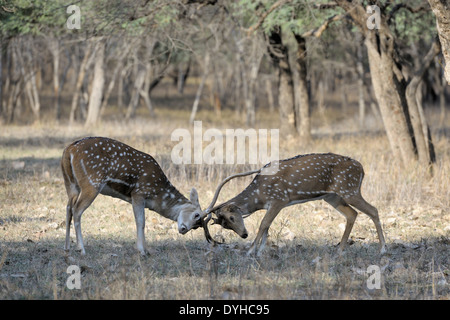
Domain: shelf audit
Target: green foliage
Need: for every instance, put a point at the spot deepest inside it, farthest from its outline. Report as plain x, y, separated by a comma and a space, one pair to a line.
296, 16
100, 17
21, 17
410, 27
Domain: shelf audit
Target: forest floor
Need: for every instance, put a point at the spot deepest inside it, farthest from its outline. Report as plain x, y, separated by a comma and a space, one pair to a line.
300, 260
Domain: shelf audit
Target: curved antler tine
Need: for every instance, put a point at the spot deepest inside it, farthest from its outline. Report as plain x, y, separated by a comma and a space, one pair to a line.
216, 195
206, 230
207, 214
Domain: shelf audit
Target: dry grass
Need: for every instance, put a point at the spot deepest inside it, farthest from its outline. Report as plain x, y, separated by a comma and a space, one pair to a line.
300, 261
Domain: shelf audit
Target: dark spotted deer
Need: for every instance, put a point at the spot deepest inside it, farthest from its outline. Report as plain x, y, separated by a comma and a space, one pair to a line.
96, 165
334, 178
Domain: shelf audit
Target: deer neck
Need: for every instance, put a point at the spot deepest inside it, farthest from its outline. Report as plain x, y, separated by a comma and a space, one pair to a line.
167, 203
248, 200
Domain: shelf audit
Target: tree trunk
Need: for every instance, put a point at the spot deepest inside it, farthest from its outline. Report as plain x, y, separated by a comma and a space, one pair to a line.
145, 92
182, 76
269, 92
138, 83
441, 9
30, 81
414, 99
250, 71
54, 48
1, 79
79, 83
389, 100
387, 82
279, 54
200, 89
320, 95
360, 74
303, 116
98, 84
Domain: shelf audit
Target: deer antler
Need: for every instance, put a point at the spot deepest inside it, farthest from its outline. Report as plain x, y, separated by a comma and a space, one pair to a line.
207, 214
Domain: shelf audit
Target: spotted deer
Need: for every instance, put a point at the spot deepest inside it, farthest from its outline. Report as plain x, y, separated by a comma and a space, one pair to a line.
96, 165
334, 178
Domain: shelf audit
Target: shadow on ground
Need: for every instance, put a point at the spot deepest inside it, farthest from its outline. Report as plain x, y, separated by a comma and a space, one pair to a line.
193, 269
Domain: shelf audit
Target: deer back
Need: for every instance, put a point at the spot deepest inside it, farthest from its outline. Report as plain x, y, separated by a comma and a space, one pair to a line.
302, 178
111, 166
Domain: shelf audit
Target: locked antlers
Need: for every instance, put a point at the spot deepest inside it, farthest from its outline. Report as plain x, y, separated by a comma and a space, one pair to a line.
207, 213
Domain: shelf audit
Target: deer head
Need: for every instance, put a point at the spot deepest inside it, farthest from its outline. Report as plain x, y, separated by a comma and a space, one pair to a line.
229, 216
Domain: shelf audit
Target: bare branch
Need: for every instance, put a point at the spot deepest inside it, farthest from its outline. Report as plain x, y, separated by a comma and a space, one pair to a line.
265, 14
396, 8
317, 32
8, 10
329, 5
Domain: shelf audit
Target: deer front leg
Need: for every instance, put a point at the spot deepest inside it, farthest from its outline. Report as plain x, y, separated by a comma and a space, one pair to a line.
261, 237
139, 215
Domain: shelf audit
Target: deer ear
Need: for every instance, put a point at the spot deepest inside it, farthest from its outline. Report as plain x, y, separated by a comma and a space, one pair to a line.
194, 197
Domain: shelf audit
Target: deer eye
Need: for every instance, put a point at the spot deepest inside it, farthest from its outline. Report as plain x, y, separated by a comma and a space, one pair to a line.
231, 218
196, 216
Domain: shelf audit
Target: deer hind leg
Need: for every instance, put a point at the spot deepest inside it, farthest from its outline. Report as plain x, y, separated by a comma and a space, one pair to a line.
73, 192
339, 204
83, 201
139, 215
359, 203
70, 204
261, 237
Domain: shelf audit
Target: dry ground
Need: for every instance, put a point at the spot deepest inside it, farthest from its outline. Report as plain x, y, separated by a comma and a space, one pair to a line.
299, 262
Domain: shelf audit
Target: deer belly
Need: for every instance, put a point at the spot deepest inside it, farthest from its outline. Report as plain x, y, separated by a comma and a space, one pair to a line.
303, 200
117, 190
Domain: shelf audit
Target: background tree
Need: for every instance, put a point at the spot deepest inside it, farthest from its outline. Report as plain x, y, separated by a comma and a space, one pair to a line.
441, 8
243, 55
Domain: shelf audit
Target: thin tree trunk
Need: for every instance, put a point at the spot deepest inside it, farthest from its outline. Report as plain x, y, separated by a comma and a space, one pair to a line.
1, 78
54, 48
98, 84
250, 70
286, 103
182, 76
30, 83
144, 91
269, 92
138, 82
360, 73
81, 74
303, 119
117, 70
414, 99
200, 88
441, 9
321, 102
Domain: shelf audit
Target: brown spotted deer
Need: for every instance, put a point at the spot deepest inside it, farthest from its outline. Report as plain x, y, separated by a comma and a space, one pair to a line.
334, 178
96, 165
